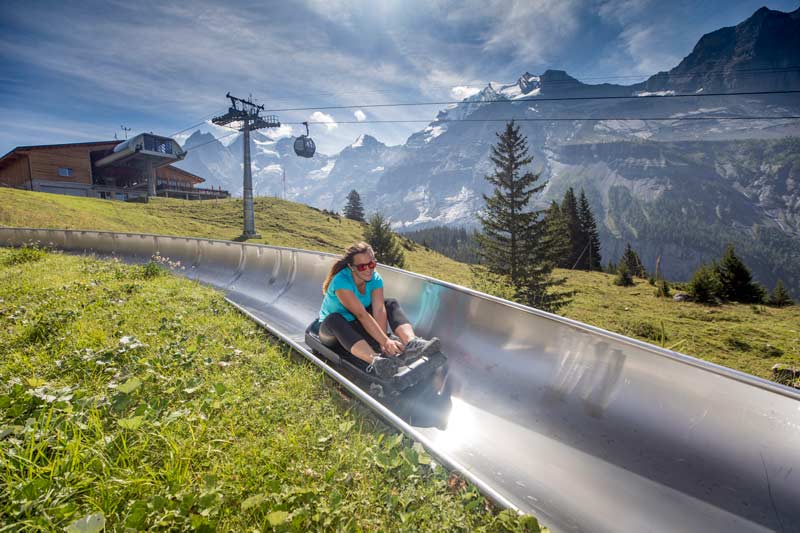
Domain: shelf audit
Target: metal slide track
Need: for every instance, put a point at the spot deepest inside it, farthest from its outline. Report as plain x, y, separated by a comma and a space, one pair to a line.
586, 429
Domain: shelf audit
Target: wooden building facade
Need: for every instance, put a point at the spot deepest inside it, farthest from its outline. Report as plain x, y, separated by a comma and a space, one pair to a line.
71, 169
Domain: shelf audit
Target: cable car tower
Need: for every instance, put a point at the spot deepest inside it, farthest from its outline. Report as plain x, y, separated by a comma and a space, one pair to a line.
243, 115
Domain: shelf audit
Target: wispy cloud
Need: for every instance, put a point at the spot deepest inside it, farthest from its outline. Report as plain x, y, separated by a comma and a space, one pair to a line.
622, 11
644, 45
360, 116
163, 66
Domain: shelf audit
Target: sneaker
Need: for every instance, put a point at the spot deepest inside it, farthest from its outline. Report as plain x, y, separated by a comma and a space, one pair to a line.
419, 347
384, 367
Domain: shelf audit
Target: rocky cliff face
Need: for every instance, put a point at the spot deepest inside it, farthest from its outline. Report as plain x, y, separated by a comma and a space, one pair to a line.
756, 55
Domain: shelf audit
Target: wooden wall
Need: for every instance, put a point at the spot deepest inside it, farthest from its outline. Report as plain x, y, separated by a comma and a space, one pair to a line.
46, 162
16, 173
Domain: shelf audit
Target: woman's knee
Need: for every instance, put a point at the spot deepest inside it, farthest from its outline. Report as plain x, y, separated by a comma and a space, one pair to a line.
332, 324
332, 321
391, 303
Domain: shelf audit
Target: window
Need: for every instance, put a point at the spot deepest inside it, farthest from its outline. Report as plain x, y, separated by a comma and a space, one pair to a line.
65, 172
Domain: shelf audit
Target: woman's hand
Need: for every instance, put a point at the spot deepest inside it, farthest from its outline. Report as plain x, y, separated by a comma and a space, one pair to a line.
392, 347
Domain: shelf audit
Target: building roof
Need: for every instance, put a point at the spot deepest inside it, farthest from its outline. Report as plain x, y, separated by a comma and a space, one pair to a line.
186, 173
67, 145
22, 150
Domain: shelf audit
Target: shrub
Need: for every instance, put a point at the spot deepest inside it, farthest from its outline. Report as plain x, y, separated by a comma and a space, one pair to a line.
705, 286
648, 331
737, 344
769, 351
150, 270
27, 253
623, 278
662, 289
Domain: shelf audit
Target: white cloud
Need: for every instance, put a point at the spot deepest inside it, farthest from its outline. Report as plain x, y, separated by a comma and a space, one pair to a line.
462, 91
284, 130
321, 118
360, 116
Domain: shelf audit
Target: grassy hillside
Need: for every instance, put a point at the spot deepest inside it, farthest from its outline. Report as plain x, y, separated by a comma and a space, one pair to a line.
747, 338
145, 401
280, 223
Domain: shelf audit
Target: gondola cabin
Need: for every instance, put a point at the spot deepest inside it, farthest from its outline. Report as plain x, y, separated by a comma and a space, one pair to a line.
304, 145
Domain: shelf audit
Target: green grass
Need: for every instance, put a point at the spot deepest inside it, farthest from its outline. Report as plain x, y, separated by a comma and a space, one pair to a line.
737, 336
144, 400
744, 337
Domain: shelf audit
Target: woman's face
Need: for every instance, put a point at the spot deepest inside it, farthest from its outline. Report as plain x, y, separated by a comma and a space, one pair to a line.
361, 266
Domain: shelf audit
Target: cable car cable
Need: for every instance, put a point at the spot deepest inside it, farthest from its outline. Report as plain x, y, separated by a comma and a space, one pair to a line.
552, 119
534, 99
754, 71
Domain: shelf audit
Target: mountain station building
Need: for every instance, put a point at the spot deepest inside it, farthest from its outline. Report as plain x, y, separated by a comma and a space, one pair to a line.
116, 170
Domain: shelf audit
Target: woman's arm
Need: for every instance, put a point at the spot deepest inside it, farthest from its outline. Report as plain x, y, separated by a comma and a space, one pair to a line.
379, 308
354, 305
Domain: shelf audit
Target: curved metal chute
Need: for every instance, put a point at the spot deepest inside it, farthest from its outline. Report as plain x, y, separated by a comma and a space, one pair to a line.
586, 429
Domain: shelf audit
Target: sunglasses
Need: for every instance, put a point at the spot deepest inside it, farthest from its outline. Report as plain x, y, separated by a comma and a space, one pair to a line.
371, 265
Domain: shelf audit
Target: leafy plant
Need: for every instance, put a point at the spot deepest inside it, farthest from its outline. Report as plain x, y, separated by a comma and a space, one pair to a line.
27, 253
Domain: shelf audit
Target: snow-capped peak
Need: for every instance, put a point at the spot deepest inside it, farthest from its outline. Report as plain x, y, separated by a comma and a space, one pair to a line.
527, 85
365, 140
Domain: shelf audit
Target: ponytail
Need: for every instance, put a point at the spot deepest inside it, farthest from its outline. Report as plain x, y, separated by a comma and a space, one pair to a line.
345, 261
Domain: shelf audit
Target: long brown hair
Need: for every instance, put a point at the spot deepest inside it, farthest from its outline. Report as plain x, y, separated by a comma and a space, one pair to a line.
346, 260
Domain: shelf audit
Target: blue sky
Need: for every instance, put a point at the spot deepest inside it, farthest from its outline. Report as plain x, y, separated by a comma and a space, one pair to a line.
75, 71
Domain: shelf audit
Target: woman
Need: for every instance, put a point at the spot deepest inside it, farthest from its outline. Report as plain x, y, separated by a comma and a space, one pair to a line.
354, 313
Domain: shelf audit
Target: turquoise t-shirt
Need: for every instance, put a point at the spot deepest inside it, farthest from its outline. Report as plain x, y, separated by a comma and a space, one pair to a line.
344, 280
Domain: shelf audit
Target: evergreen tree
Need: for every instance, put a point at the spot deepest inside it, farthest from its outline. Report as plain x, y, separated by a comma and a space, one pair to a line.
623, 278
572, 225
379, 235
514, 239
631, 259
590, 260
559, 247
780, 296
354, 210
736, 281
705, 286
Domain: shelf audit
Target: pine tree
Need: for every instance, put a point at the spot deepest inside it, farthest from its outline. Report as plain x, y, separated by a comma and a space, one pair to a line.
572, 225
591, 259
623, 278
354, 210
631, 259
514, 240
379, 235
556, 223
736, 281
705, 286
780, 296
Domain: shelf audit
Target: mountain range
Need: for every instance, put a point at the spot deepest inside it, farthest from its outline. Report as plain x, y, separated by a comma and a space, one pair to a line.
675, 188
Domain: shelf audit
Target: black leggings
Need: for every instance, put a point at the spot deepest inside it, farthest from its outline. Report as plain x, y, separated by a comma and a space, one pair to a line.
336, 328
